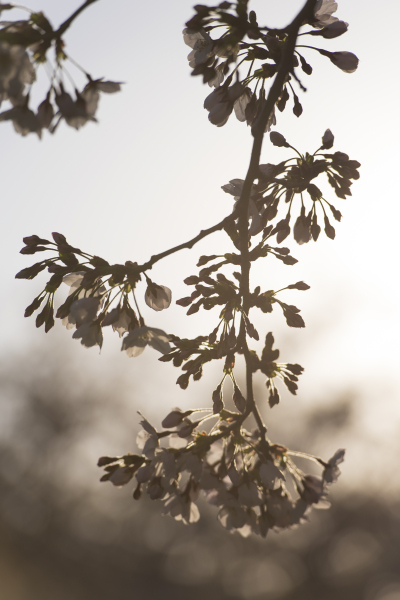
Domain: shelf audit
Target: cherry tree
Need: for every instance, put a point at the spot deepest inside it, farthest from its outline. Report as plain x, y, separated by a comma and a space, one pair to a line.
223, 451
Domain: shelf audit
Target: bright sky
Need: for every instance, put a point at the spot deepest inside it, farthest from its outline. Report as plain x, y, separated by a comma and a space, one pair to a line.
148, 176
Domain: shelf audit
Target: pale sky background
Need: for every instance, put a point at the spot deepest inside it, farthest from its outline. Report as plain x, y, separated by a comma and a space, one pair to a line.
149, 176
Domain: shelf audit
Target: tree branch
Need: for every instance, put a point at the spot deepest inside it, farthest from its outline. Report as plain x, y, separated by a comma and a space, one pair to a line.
258, 131
64, 26
204, 233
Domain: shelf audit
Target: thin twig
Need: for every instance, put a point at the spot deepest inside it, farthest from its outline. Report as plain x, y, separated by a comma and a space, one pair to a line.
204, 233
64, 26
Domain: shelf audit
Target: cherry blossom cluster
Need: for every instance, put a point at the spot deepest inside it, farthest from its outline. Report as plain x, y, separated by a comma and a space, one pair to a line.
224, 340
206, 349
100, 295
24, 46
294, 178
255, 484
258, 50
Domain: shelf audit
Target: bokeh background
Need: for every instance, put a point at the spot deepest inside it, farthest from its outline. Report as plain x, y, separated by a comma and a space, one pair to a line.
147, 177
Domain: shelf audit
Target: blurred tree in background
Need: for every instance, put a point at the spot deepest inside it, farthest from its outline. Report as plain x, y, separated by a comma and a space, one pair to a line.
62, 538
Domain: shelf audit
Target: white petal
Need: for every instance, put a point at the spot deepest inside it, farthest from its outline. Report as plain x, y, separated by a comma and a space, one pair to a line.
134, 351
123, 323
194, 515
74, 279
240, 105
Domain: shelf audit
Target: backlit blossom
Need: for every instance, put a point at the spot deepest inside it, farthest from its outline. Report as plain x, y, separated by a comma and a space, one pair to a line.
121, 320
221, 102
235, 187
181, 509
202, 46
75, 112
74, 280
241, 103
323, 13
85, 310
147, 441
332, 471
80, 312
45, 113
247, 484
158, 297
218, 77
137, 340
16, 71
90, 334
91, 93
270, 475
314, 489
24, 120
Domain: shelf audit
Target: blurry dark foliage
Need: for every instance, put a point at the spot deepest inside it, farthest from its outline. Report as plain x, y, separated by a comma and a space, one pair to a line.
64, 537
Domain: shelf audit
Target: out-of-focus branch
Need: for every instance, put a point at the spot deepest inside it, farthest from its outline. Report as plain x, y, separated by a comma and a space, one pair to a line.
64, 26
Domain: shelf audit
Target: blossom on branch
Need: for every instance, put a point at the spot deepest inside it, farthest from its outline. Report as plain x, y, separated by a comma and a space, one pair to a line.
16, 71
157, 297
137, 340
24, 120
202, 46
90, 334
85, 310
236, 29
236, 471
122, 319
323, 12
223, 100
332, 471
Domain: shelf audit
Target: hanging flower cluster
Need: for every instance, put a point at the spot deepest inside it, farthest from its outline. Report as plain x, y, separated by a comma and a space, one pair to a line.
258, 50
246, 476
100, 295
294, 179
24, 46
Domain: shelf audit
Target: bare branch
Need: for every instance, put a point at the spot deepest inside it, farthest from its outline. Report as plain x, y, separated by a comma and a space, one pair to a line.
204, 233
